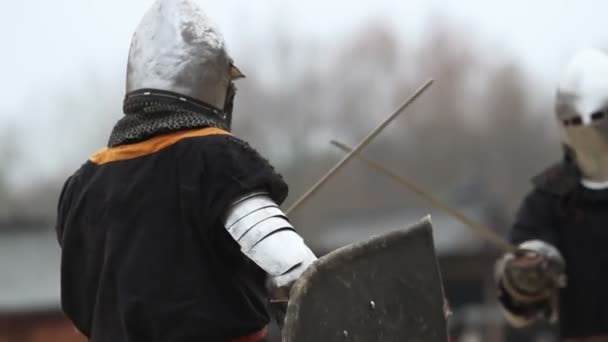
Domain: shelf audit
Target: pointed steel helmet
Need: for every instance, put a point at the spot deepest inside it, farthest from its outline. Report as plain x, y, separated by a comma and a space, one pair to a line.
177, 48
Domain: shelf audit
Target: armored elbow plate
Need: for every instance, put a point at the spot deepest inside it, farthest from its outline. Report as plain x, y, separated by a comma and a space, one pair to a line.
265, 235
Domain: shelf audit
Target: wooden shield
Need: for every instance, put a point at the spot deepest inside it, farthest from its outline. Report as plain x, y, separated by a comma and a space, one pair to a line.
387, 289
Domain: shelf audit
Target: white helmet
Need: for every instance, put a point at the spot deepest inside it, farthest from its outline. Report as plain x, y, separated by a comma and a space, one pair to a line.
582, 111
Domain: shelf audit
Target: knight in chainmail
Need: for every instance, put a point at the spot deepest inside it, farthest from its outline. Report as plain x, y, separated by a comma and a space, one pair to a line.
559, 273
173, 231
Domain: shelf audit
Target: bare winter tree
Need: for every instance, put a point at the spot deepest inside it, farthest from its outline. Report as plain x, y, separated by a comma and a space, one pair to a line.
475, 137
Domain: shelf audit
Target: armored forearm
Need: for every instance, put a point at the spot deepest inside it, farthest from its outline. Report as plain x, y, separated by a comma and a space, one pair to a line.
265, 235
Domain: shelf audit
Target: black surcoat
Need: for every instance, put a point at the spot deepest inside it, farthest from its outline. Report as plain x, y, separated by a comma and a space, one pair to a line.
145, 255
560, 211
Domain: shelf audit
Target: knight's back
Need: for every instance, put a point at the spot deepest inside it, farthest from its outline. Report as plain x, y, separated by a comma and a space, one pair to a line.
145, 253
174, 230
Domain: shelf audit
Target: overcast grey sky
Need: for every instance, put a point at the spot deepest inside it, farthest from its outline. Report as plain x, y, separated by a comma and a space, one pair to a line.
54, 42
51, 47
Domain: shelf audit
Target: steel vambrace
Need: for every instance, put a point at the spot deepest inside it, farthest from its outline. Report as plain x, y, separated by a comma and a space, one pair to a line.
265, 235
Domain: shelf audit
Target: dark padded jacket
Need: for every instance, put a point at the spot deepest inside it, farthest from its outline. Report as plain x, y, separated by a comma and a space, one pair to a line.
560, 211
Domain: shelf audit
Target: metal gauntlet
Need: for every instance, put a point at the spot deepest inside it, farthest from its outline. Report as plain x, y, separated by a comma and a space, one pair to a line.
529, 280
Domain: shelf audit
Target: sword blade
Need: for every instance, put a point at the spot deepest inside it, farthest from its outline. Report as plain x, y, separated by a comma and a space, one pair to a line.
480, 230
358, 148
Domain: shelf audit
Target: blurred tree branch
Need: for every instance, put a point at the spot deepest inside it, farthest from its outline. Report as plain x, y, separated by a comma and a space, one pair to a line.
478, 137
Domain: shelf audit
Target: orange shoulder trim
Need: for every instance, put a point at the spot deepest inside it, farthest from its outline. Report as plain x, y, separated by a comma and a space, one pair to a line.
140, 149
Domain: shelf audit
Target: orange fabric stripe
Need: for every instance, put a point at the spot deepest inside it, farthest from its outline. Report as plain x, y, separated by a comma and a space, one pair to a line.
255, 337
140, 149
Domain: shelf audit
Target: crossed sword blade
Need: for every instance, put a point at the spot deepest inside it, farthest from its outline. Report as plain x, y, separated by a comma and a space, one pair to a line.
368, 139
480, 230
278, 296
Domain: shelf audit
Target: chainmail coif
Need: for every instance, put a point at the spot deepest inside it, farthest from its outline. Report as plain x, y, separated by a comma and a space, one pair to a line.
151, 112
